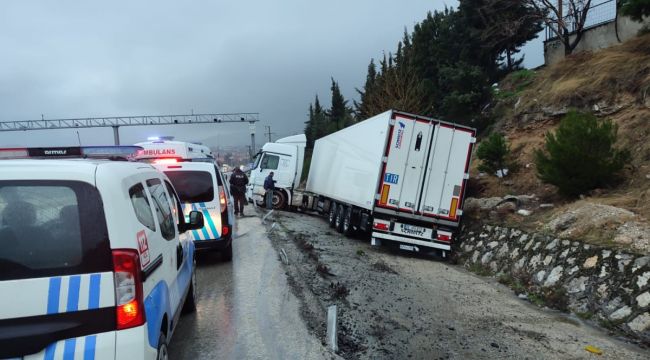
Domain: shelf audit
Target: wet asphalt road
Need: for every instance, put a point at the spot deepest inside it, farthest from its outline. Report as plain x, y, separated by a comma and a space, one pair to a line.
245, 309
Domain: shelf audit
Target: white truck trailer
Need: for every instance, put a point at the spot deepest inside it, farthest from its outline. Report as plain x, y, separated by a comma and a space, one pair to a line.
398, 176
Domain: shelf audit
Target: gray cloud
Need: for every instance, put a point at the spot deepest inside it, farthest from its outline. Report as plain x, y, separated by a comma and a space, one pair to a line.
80, 58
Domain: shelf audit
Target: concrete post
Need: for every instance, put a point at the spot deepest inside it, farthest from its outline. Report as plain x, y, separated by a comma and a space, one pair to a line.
116, 135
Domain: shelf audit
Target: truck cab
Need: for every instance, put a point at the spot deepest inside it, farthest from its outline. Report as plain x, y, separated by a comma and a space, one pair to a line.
285, 159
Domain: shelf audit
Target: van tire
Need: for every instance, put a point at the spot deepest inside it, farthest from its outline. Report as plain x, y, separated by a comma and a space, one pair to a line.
346, 225
162, 352
332, 214
340, 213
227, 253
190, 301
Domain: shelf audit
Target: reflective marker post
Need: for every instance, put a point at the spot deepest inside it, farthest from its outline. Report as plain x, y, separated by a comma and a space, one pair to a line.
332, 324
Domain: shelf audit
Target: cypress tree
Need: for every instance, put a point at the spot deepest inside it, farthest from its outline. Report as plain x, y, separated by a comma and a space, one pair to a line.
339, 109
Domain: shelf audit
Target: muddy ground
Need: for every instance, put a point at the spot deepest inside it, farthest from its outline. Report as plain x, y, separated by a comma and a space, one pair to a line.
396, 305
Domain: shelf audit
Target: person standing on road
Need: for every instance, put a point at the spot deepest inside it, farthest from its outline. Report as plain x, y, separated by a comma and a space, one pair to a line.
238, 182
269, 186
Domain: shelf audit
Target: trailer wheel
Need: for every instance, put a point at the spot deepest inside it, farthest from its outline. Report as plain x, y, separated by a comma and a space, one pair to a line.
340, 213
347, 222
332, 214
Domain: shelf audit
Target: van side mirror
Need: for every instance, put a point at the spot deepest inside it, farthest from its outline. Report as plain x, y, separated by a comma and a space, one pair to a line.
195, 223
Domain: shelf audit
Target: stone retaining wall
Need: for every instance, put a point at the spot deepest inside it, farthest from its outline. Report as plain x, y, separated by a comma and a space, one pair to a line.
608, 286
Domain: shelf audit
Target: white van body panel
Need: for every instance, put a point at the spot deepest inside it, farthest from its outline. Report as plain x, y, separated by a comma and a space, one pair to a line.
78, 292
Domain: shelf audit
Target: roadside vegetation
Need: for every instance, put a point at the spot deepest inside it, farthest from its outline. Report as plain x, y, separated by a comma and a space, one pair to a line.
580, 155
443, 68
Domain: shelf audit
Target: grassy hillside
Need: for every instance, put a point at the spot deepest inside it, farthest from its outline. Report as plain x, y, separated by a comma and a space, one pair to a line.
612, 83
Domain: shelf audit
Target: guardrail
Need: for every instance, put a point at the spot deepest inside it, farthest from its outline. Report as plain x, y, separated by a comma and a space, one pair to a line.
598, 14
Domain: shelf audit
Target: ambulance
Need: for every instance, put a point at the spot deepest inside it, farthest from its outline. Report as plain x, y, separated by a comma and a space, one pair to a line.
94, 263
201, 186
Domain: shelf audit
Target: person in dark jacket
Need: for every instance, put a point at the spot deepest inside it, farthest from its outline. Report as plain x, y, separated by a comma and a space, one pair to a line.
269, 186
238, 182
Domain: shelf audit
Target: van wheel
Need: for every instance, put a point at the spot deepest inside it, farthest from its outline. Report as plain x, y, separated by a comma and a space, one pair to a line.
227, 253
332, 215
347, 222
190, 300
163, 353
340, 213
279, 200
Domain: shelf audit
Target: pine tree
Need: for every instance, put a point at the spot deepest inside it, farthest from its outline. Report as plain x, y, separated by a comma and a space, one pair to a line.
503, 26
636, 9
493, 152
315, 126
362, 109
339, 110
580, 155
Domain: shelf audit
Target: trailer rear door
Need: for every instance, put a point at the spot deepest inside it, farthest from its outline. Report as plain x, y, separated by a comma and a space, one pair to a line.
405, 164
426, 166
447, 171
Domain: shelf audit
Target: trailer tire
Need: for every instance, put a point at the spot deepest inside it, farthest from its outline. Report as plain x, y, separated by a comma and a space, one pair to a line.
332, 214
347, 228
340, 213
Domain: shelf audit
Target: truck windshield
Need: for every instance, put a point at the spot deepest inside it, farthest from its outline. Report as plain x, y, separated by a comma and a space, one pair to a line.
192, 186
256, 162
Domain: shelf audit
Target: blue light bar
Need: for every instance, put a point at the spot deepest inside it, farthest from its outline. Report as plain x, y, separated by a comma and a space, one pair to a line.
110, 151
94, 152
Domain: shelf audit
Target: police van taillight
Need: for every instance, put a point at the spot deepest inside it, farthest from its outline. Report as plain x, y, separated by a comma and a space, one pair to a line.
222, 199
128, 289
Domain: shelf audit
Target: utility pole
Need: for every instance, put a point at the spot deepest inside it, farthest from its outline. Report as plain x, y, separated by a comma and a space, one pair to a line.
252, 129
268, 132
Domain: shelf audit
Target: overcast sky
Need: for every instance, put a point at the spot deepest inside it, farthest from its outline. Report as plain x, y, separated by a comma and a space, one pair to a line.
66, 59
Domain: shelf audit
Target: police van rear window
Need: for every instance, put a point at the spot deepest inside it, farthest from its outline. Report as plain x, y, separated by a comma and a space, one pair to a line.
51, 228
192, 186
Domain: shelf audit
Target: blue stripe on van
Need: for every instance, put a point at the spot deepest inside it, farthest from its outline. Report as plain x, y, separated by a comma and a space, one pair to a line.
68, 349
73, 305
53, 295
89, 347
206, 214
49, 351
73, 293
204, 231
93, 297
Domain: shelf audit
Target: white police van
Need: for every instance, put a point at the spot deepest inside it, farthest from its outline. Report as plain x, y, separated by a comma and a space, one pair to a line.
201, 186
94, 263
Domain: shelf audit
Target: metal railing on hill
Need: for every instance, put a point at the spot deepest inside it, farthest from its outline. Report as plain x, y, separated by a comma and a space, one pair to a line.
600, 13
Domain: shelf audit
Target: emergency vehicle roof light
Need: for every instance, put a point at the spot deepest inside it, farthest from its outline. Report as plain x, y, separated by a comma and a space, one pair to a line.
166, 161
94, 152
13, 154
